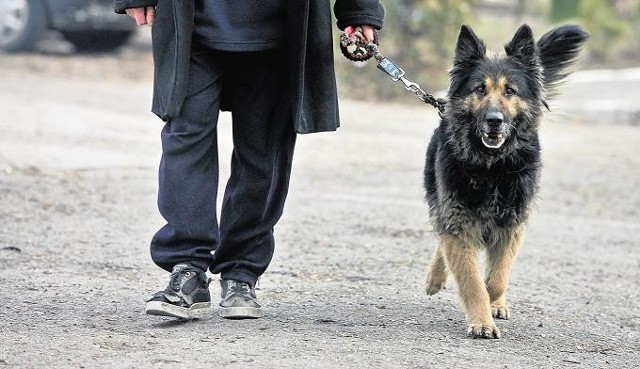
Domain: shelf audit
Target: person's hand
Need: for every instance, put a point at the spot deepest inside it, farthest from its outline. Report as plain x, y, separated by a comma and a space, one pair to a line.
142, 15
366, 36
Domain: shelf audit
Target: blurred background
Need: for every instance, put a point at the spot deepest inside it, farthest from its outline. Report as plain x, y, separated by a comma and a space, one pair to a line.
418, 34
88, 25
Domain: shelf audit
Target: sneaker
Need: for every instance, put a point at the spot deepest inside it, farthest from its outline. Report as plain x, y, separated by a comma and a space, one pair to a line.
238, 300
187, 292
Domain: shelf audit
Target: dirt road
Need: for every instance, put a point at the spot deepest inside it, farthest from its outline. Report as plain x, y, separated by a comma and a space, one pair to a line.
78, 158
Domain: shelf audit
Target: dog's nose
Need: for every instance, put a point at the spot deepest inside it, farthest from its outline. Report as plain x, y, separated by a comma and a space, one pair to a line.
494, 117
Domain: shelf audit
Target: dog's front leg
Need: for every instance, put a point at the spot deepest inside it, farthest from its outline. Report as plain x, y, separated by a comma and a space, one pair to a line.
436, 272
461, 255
500, 259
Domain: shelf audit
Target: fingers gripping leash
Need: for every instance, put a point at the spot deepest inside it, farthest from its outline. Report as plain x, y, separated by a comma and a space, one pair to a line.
355, 49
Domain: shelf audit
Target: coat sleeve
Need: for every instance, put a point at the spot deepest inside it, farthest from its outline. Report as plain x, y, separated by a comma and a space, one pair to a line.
122, 5
358, 12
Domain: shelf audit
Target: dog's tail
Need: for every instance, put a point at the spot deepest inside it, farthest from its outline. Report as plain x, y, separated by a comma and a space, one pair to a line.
558, 50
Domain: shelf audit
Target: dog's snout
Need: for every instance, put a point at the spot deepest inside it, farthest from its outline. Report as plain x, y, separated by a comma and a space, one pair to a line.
494, 117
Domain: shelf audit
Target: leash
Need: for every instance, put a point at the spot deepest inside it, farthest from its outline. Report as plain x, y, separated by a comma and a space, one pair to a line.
355, 50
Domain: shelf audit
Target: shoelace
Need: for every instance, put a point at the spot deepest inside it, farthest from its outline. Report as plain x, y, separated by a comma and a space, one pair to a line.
178, 277
239, 287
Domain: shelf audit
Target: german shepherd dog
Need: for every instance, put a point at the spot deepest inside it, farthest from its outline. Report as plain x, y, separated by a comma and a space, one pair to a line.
483, 163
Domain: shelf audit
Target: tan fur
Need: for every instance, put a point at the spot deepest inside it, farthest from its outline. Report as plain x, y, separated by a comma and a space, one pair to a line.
482, 300
499, 262
436, 273
495, 96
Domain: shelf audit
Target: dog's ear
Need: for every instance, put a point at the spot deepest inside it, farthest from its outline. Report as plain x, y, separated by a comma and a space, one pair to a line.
522, 46
558, 50
469, 47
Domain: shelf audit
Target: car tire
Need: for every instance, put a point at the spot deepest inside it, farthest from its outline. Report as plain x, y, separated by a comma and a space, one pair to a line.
97, 40
22, 23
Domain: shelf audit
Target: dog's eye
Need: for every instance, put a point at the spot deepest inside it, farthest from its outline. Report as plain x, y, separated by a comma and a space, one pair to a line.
480, 89
510, 91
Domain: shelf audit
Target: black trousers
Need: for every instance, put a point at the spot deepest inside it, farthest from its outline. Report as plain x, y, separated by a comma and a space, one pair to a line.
240, 246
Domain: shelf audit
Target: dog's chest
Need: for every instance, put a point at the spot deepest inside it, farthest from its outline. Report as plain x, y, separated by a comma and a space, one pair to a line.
499, 198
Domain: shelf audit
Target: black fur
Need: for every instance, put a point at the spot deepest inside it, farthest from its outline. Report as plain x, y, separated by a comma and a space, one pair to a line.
559, 48
467, 182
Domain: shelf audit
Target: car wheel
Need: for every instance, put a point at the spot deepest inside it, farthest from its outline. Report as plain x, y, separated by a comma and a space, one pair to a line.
97, 40
22, 22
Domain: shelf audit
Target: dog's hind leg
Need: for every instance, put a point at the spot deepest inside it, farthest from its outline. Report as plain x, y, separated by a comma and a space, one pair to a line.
436, 272
461, 255
500, 259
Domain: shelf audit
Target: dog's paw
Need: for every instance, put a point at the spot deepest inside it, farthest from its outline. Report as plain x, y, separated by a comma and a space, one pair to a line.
500, 311
483, 331
434, 285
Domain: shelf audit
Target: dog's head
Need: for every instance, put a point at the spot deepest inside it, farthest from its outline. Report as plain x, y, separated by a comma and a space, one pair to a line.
495, 102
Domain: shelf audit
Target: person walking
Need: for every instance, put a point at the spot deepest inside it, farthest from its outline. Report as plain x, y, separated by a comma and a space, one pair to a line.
271, 64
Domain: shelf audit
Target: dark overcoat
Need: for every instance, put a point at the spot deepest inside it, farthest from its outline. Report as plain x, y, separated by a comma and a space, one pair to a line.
314, 98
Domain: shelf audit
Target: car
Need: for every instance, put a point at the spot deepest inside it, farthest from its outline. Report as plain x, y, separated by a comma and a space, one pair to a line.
90, 25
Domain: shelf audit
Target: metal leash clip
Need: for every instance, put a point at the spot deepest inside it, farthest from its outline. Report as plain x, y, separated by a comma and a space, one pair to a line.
397, 74
391, 69
363, 52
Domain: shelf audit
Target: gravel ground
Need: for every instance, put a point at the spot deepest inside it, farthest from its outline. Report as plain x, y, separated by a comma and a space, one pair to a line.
78, 160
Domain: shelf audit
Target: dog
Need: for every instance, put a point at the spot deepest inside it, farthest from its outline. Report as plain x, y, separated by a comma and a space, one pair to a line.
483, 163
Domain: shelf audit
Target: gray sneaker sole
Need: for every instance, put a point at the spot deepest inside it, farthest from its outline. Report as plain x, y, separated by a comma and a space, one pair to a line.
165, 309
240, 312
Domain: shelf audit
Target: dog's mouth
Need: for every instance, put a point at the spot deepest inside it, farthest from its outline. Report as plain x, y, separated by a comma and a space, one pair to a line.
493, 140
